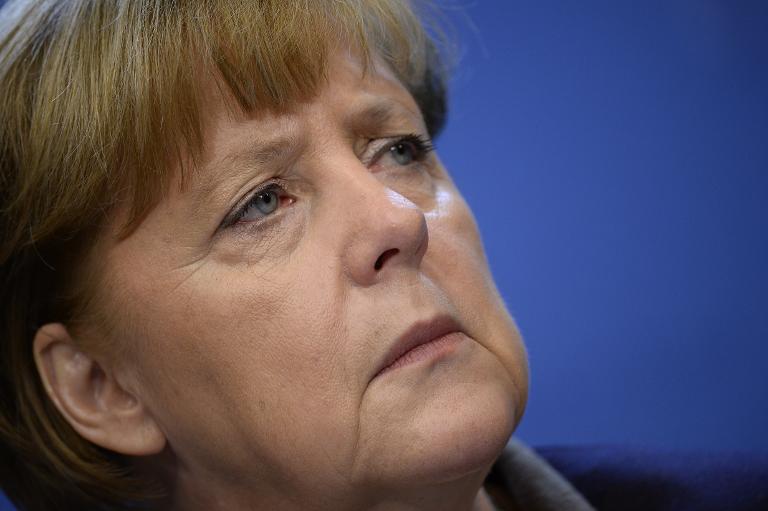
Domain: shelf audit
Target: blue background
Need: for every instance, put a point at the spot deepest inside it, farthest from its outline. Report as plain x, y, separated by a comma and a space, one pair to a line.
616, 157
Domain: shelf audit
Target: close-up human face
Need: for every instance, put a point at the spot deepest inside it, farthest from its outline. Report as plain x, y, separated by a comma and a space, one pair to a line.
261, 301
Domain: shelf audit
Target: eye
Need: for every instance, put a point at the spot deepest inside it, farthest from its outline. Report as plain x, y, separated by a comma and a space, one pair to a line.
262, 203
406, 150
403, 153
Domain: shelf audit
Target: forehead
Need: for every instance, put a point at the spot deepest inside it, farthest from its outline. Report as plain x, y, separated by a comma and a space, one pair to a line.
349, 83
358, 98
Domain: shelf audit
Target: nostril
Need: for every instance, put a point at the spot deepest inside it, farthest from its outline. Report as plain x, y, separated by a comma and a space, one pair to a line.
383, 258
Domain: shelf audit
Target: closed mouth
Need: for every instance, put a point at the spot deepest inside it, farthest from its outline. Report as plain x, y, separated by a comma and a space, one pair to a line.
419, 340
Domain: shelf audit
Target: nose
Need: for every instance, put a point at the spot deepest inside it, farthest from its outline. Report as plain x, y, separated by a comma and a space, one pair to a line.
389, 233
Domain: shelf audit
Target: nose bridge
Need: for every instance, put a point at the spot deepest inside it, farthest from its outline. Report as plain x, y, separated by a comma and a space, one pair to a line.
386, 230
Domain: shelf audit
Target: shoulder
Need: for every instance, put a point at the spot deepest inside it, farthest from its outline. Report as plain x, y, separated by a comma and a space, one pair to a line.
631, 478
521, 479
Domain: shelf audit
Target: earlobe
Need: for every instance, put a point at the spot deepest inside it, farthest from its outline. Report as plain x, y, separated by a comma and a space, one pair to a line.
90, 398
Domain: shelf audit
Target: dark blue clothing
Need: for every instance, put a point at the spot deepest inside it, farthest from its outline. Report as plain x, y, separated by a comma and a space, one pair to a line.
620, 478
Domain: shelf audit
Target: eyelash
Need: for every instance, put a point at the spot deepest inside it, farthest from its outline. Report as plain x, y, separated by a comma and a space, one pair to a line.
422, 146
277, 185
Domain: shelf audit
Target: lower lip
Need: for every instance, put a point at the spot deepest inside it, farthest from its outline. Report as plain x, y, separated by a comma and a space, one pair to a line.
440, 347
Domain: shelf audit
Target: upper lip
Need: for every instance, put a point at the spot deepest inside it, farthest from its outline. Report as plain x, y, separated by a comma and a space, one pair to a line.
420, 332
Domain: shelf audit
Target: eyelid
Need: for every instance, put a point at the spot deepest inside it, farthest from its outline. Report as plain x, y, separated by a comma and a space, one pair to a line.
236, 212
377, 149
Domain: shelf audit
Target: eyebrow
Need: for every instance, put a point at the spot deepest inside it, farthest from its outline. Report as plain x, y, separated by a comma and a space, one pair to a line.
380, 112
260, 154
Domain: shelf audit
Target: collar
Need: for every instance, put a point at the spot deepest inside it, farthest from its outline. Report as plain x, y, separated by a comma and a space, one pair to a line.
521, 480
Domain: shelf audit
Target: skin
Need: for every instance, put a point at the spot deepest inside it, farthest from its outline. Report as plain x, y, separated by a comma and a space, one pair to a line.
248, 352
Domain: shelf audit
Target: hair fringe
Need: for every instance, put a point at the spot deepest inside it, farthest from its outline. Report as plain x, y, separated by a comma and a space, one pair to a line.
101, 100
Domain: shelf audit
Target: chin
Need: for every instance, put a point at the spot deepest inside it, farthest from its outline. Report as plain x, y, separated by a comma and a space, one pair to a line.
445, 425
463, 440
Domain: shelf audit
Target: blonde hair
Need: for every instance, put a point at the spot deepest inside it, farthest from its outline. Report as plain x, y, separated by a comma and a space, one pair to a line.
99, 98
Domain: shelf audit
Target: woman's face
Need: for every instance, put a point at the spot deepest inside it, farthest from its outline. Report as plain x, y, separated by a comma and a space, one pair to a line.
260, 301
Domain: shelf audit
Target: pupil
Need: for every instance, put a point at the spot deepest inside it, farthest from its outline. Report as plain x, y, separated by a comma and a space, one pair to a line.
402, 154
267, 202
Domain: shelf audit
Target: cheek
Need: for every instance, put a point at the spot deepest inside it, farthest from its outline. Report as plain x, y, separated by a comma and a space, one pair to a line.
455, 247
243, 338
456, 260
256, 354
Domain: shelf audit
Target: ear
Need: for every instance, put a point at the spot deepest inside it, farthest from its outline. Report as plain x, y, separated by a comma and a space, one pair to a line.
91, 399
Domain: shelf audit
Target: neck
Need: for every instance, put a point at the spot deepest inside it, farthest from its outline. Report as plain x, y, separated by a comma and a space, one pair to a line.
454, 496
192, 494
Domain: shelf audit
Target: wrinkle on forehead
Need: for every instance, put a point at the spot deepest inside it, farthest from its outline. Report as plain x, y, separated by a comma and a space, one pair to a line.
239, 141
